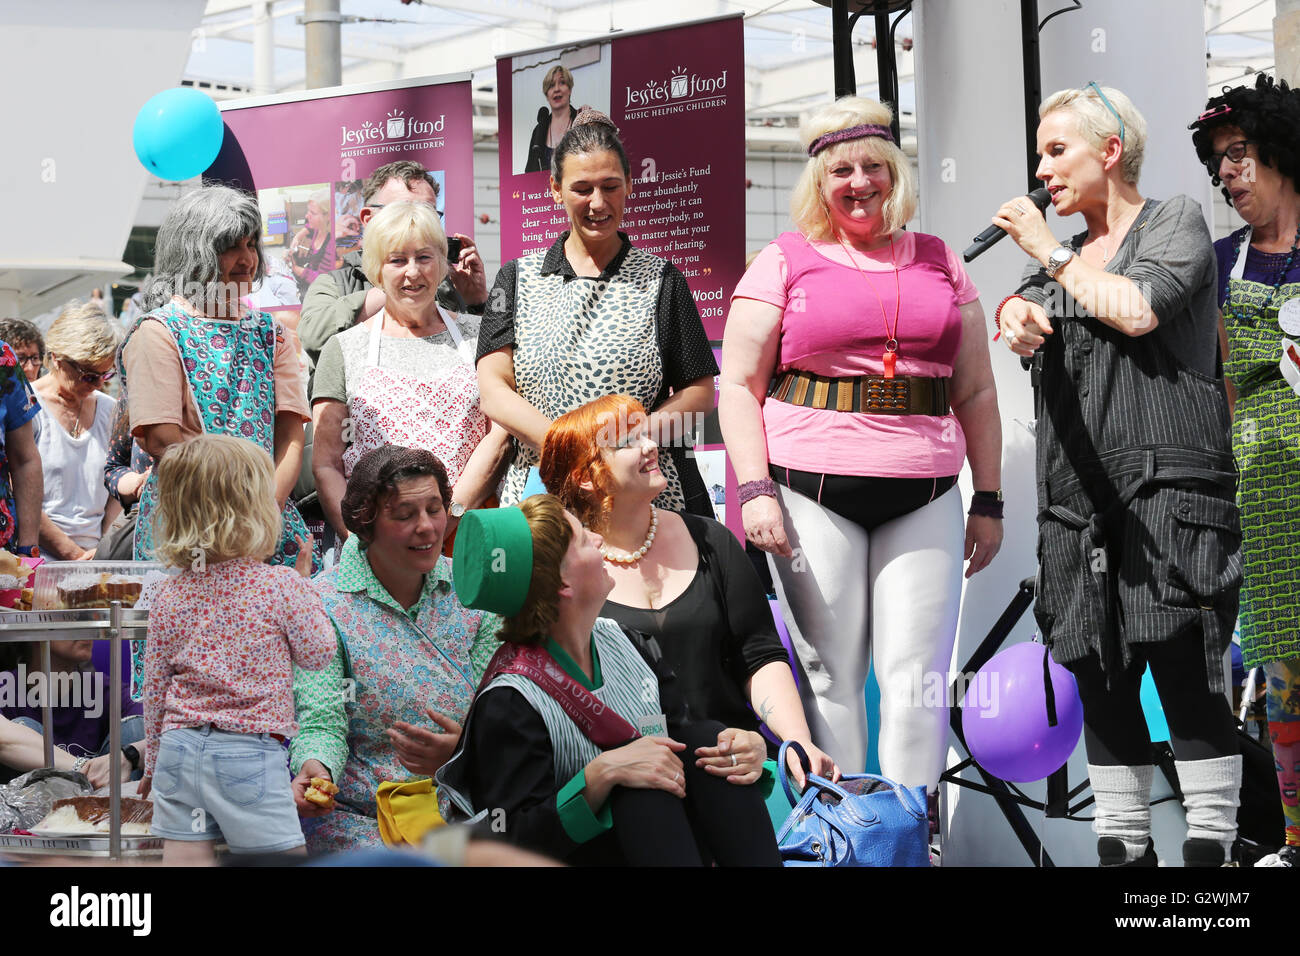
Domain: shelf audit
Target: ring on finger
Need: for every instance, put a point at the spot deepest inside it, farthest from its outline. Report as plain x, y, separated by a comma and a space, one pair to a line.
733, 760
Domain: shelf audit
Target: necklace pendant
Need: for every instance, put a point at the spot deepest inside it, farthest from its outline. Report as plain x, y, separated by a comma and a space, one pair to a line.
891, 356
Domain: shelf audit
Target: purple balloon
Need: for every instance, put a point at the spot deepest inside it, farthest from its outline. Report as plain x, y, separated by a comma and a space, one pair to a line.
1004, 715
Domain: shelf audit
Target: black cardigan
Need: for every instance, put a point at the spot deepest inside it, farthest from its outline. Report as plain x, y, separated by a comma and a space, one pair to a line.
538, 142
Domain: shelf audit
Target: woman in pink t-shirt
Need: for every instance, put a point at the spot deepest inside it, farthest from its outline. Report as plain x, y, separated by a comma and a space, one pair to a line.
855, 383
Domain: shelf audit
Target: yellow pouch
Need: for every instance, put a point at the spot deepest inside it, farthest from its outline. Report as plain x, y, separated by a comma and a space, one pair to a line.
407, 811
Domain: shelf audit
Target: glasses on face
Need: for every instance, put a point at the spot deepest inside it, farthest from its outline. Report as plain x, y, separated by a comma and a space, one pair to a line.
33, 359
1235, 153
90, 378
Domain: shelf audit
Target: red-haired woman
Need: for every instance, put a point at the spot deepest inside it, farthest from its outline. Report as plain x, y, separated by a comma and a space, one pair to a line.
684, 581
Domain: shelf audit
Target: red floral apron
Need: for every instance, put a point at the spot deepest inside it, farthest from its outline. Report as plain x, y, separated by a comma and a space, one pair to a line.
439, 412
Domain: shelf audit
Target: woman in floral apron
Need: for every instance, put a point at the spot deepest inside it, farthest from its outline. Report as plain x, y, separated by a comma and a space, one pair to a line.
408, 650
200, 363
405, 376
1249, 140
595, 316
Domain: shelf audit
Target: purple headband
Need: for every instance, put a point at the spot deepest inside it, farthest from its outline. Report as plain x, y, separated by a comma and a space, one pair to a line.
853, 132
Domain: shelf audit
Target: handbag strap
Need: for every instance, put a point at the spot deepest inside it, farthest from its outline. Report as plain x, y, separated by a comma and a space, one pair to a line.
598, 722
804, 761
816, 783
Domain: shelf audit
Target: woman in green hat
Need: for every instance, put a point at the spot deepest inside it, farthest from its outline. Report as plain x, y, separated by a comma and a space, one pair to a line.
587, 752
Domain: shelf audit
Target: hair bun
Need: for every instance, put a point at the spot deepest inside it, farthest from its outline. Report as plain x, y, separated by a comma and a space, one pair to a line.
587, 116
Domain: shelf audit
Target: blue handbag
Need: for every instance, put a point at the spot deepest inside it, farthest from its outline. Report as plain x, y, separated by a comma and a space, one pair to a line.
864, 820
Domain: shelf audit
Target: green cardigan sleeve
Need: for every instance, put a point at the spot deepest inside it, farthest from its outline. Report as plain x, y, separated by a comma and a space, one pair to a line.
319, 698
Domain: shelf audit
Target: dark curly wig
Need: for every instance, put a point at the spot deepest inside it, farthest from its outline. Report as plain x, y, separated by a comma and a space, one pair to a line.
1268, 116
375, 478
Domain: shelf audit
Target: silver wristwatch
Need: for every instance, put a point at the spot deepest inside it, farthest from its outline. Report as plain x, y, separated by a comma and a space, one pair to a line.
1057, 260
457, 510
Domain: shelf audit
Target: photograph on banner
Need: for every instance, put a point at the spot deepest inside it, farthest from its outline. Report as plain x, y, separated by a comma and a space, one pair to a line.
562, 82
681, 121
298, 239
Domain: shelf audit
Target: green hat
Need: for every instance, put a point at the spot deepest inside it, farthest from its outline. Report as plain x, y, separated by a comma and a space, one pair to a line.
492, 565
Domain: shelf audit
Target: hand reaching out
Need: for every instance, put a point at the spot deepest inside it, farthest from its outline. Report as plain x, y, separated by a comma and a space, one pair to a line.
421, 750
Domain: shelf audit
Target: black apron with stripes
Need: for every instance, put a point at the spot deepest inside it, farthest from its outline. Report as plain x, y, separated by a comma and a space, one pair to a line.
1139, 536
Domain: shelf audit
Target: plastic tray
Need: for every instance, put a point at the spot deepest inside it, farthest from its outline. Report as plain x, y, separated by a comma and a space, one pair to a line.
84, 575
19, 844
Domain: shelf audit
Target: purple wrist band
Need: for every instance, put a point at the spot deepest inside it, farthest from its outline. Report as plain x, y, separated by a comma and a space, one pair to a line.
756, 489
985, 508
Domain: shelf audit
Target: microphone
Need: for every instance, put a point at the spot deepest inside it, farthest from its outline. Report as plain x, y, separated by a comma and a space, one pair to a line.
987, 238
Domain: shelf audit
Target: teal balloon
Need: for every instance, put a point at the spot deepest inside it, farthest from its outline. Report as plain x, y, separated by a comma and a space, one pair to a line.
178, 133
1153, 710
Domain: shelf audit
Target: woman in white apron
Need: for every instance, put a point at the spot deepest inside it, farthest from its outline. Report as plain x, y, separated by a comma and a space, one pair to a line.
405, 376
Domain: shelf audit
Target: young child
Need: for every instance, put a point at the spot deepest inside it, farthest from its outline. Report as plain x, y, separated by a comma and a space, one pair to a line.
223, 636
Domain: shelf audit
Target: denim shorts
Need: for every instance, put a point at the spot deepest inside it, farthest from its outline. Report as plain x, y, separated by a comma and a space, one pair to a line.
209, 784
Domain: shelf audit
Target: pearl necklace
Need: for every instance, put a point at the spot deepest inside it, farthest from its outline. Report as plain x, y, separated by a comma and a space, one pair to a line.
640, 552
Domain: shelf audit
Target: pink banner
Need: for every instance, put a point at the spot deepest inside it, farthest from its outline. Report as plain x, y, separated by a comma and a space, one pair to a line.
306, 157
678, 99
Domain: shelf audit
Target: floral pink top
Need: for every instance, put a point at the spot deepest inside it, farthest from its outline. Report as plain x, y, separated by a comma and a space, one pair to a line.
221, 648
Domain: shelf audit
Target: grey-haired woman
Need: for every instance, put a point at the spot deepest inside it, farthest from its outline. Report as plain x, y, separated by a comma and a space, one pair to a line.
200, 362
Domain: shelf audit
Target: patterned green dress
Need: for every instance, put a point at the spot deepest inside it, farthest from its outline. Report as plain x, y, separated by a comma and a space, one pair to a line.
1266, 443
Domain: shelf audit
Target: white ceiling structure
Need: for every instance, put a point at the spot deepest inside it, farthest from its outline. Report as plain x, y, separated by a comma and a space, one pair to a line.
787, 46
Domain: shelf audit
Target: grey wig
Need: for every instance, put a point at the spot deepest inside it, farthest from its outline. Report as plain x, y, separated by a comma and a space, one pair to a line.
202, 225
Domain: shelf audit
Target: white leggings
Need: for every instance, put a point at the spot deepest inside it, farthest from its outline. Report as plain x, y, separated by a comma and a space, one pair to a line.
895, 592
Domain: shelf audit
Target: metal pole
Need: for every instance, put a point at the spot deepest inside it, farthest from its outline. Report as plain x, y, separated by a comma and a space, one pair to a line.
115, 731
47, 706
263, 48
846, 83
323, 25
1033, 86
886, 76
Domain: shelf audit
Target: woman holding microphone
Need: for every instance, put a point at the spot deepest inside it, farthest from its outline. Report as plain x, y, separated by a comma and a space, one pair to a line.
1139, 541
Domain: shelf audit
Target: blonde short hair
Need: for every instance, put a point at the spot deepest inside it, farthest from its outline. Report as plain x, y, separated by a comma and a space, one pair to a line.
807, 207
216, 501
549, 79
1098, 124
83, 333
395, 225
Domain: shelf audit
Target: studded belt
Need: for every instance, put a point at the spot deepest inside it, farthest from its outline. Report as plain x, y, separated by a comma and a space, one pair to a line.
869, 394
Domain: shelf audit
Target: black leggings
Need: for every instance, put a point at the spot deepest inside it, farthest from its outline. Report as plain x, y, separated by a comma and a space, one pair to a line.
1114, 728
867, 501
717, 822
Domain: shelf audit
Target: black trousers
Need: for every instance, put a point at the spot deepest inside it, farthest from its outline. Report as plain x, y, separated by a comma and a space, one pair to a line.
1115, 730
718, 822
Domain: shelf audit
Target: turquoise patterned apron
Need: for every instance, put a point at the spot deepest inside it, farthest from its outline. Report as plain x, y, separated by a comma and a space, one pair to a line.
231, 370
